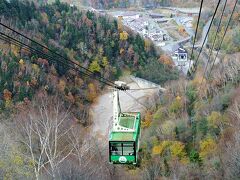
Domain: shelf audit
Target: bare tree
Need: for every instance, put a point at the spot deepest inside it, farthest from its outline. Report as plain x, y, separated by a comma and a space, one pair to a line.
91, 157
82, 152
231, 155
231, 158
44, 132
152, 171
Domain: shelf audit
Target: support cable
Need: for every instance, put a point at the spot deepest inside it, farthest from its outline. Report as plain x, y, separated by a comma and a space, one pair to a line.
214, 14
135, 99
215, 37
57, 54
195, 36
143, 89
229, 20
25, 46
219, 47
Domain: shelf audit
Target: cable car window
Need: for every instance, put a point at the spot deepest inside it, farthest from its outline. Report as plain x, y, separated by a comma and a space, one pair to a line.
182, 56
128, 151
127, 144
122, 149
116, 149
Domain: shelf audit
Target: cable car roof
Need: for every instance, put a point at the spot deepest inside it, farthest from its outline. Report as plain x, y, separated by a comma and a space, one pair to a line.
128, 121
123, 136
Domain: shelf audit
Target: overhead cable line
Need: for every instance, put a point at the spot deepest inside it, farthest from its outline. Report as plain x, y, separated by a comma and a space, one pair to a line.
135, 99
20, 44
195, 36
215, 37
25, 46
214, 14
57, 54
143, 89
220, 45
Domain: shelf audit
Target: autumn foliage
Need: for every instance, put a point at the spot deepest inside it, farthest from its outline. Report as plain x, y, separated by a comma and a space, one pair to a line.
92, 92
165, 59
147, 120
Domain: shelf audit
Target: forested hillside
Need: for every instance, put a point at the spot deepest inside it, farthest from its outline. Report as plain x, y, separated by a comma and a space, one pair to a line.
129, 3
231, 44
44, 105
91, 40
194, 132
106, 4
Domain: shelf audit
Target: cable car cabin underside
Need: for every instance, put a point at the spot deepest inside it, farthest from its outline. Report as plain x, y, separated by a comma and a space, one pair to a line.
124, 139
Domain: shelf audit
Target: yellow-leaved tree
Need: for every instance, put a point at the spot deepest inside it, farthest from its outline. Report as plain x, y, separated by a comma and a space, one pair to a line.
147, 44
14, 165
147, 120
21, 62
45, 18
61, 85
121, 51
207, 147
177, 105
199, 79
94, 66
215, 119
168, 128
15, 50
123, 36
100, 51
36, 69
120, 24
105, 61
159, 115
159, 149
177, 150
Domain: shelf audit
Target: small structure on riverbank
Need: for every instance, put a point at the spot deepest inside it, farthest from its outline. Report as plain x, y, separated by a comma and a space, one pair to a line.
181, 56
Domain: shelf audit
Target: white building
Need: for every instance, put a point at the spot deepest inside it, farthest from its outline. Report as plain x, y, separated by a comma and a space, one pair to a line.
181, 56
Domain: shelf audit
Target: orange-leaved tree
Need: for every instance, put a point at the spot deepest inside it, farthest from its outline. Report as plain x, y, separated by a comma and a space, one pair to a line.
7, 96
147, 120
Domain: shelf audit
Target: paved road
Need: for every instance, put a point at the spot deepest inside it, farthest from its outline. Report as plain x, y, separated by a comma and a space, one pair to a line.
184, 10
204, 33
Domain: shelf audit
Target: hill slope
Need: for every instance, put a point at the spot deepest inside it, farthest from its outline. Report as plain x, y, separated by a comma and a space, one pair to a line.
44, 105
91, 40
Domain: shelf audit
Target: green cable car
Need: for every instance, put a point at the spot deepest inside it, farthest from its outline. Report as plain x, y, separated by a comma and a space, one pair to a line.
125, 134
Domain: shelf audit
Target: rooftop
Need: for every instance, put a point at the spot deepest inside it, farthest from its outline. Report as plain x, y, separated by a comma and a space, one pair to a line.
122, 136
127, 120
180, 50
